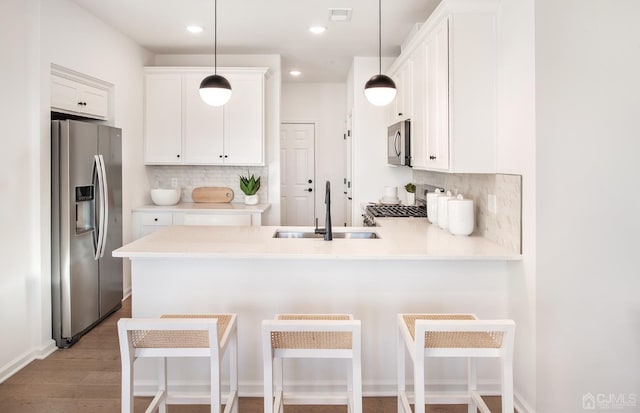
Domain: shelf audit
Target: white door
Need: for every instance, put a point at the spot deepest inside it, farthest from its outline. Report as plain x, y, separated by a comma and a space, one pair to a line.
297, 174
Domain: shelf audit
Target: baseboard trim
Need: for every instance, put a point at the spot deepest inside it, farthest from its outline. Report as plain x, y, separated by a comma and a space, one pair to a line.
521, 405
20, 362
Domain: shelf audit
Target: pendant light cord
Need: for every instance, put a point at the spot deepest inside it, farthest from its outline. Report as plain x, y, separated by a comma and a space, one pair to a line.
379, 36
215, 37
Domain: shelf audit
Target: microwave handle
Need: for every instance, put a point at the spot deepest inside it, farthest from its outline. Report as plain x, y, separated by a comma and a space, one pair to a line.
396, 143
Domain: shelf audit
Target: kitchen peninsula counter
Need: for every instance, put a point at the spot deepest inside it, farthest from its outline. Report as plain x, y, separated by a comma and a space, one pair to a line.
413, 267
406, 239
219, 208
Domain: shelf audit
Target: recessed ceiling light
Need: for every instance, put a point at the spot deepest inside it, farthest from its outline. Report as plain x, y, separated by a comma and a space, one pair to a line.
295, 73
317, 29
195, 29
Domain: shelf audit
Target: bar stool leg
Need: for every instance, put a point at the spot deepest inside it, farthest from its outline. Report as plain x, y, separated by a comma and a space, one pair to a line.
418, 376
472, 384
402, 379
278, 378
507, 385
233, 369
267, 367
356, 374
350, 395
162, 384
215, 383
127, 387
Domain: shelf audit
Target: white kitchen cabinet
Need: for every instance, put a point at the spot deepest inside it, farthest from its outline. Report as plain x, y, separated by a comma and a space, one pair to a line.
419, 106
163, 118
78, 95
145, 223
401, 107
456, 129
196, 133
203, 125
436, 134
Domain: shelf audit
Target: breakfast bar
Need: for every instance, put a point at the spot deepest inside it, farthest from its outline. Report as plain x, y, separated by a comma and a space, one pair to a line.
411, 266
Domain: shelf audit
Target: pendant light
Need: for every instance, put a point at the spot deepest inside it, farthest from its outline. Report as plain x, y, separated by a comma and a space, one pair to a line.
380, 90
215, 90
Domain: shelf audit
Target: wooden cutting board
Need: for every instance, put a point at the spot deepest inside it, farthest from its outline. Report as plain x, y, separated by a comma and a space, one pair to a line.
212, 194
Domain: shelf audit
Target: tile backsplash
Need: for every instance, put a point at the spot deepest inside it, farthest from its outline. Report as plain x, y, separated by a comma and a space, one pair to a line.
505, 225
190, 177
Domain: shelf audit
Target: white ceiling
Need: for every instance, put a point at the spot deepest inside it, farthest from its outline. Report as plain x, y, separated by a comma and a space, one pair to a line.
268, 27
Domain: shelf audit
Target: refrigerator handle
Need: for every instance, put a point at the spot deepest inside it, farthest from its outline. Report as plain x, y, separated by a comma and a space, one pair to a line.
105, 206
100, 223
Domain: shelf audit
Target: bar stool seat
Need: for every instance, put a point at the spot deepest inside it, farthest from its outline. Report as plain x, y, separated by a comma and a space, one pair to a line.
310, 336
180, 335
453, 335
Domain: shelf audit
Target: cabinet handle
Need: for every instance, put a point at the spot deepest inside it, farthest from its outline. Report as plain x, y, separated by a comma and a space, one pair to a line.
399, 114
155, 219
432, 157
308, 190
310, 181
220, 156
226, 156
177, 156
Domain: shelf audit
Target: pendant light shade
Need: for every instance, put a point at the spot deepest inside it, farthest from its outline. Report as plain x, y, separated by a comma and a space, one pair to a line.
215, 90
380, 90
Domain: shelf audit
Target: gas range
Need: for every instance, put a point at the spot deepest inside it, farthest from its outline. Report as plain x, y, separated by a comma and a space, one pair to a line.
374, 211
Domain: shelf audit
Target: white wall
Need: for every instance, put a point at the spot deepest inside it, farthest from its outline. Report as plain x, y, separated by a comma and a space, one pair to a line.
272, 111
40, 33
370, 170
588, 203
324, 105
516, 155
20, 286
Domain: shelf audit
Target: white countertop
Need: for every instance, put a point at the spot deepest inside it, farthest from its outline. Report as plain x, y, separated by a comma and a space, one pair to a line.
192, 207
400, 239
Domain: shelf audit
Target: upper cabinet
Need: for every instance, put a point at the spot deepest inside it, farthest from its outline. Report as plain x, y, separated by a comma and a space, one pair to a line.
181, 129
453, 86
77, 94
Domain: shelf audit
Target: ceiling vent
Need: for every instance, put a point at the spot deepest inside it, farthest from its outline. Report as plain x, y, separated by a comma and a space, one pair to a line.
340, 15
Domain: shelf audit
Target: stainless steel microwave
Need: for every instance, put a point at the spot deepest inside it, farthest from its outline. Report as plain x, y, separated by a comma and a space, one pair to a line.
399, 143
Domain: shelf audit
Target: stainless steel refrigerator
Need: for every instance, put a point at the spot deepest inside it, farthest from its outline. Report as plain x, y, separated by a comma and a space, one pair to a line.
86, 226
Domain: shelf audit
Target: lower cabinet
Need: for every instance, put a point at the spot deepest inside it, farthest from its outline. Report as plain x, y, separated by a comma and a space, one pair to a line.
145, 223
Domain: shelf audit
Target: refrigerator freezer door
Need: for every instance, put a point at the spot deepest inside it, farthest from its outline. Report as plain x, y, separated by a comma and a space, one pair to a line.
77, 270
109, 146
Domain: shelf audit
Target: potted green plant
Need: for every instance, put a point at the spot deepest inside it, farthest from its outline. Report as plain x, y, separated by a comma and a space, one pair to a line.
411, 193
250, 185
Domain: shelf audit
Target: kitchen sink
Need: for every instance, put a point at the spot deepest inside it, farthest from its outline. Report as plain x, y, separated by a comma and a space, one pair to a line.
336, 235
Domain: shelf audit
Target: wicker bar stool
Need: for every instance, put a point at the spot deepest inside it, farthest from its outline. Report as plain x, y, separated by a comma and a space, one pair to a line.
186, 335
310, 336
453, 335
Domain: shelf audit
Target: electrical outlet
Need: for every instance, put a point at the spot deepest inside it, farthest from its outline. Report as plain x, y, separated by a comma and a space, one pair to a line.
492, 204
174, 182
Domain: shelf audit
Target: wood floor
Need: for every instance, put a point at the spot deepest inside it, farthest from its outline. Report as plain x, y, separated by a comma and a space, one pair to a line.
86, 379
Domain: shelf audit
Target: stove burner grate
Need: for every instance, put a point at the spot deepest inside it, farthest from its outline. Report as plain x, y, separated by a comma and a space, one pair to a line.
396, 211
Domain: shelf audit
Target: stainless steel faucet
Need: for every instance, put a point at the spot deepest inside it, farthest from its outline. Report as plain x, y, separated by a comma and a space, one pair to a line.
328, 234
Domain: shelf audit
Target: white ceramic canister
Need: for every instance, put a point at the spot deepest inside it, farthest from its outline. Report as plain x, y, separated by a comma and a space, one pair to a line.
443, 210
390, 192
461, 216
432, 205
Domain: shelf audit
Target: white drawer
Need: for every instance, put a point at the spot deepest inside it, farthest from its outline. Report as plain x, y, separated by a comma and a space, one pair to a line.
217, 219
157, 219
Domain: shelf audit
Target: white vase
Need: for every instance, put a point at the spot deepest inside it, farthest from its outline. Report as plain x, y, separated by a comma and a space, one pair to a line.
411, 198
251, 199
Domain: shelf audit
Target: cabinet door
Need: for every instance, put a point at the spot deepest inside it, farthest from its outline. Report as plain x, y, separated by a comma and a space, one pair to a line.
94, 100
419, 107
163, 118
244, 121
78, 98
203, 125
438, 97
